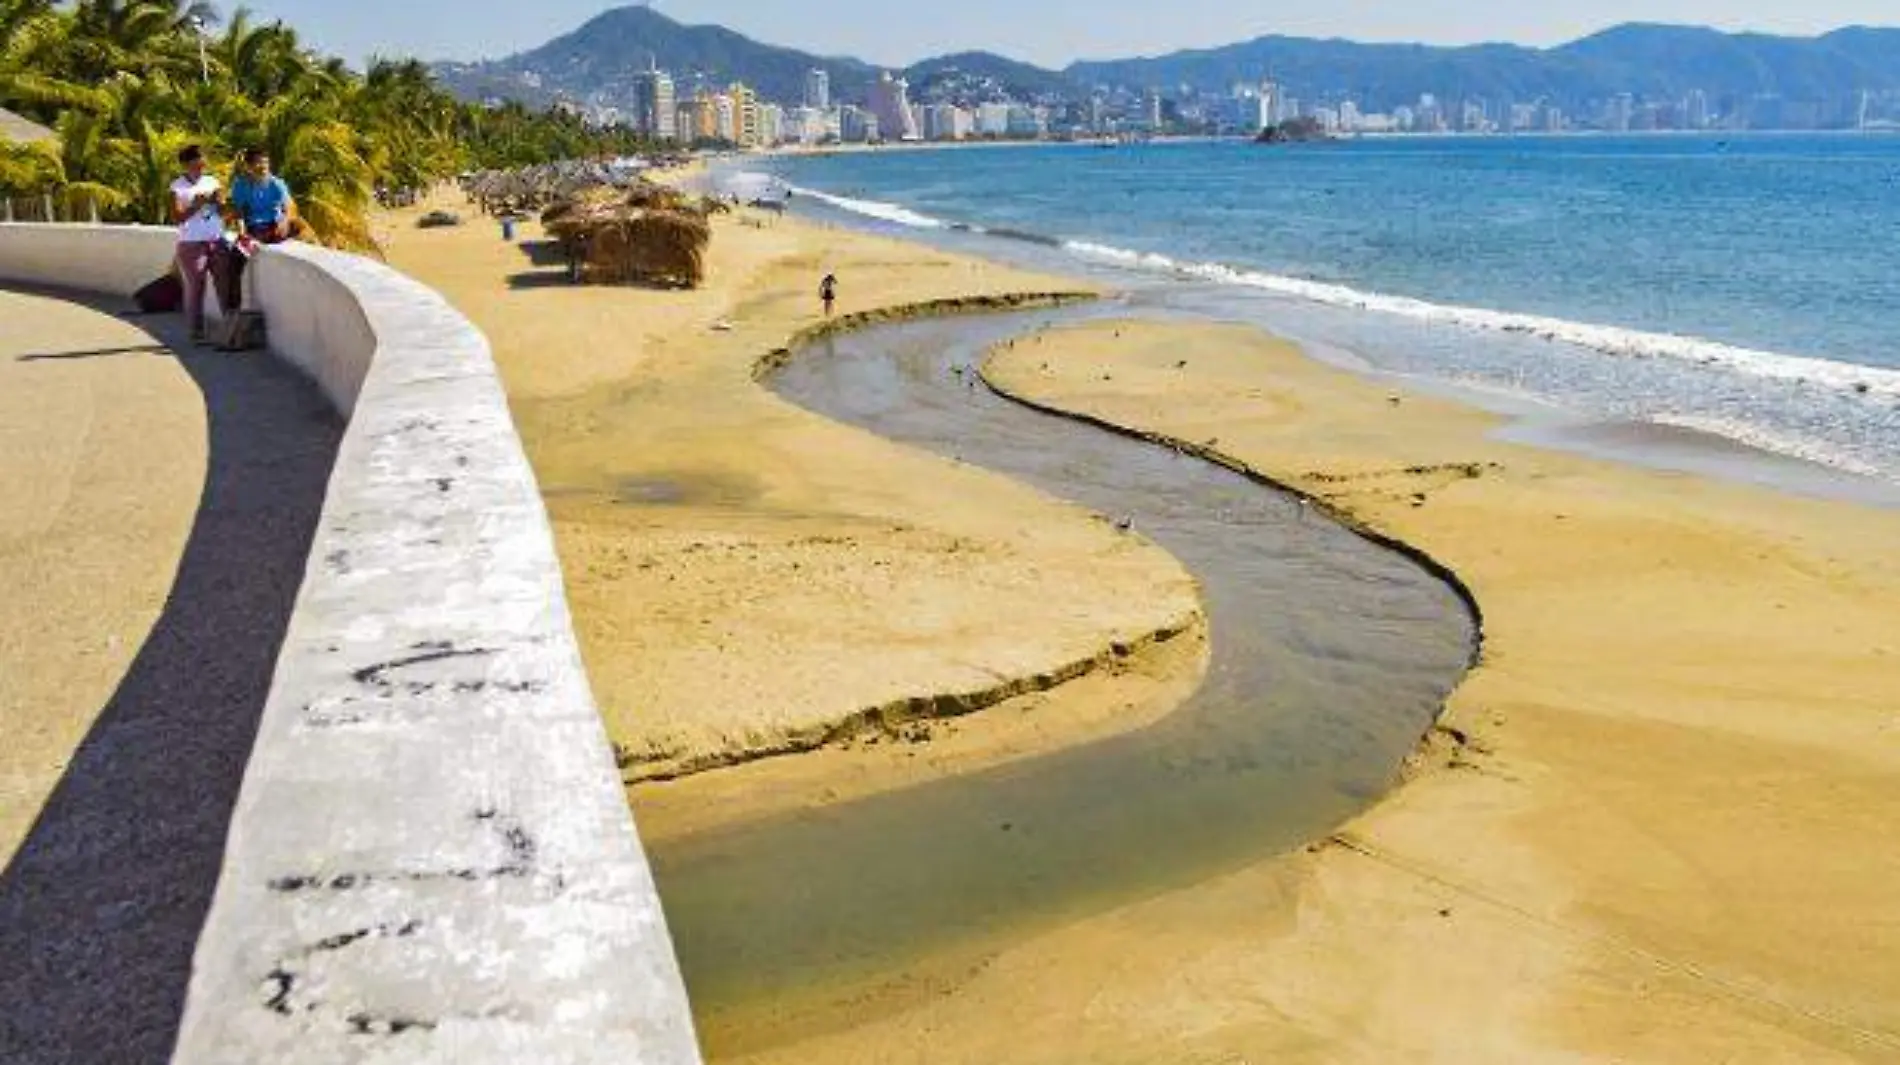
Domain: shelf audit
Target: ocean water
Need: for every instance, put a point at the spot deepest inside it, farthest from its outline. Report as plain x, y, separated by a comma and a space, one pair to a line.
1742, 289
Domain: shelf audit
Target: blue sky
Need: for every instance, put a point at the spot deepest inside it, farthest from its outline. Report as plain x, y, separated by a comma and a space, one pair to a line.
1051, 32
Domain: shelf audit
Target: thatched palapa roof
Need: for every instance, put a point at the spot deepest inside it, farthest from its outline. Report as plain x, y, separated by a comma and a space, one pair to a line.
643, 232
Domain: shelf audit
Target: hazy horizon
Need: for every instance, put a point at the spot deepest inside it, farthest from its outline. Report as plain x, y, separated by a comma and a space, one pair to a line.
1054, 34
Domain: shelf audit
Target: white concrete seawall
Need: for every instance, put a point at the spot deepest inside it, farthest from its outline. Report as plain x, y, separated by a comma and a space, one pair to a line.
432, 858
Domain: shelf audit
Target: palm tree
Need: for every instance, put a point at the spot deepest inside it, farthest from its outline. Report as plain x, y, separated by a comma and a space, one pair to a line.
32, 38
138, 36
120, 80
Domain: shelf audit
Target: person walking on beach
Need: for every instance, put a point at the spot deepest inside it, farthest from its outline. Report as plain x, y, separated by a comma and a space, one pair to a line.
197, 199
828, 292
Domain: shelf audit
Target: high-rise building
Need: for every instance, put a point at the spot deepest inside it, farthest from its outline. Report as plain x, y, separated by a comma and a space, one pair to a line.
1151, 110
725, 118
992, 120
1025, 122
697, 119
804, 125
818, 90
771, 124
1286, 107
1249, 109
745, 115
945, 122
654, 105
857, 125
890, 102
1695, 109
1620, 113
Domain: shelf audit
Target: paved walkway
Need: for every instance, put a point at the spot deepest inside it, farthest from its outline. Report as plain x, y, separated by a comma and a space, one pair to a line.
158, 509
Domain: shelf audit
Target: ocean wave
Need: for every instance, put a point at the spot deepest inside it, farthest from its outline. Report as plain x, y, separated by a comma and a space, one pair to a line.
1610, 340
884, 212
1763, 438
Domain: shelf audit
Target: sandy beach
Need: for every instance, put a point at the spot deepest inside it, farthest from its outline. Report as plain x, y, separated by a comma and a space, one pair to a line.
1657, 830
1662, 840
751, 580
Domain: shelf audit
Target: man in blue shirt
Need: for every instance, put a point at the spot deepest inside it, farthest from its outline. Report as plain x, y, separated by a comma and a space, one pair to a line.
261, 200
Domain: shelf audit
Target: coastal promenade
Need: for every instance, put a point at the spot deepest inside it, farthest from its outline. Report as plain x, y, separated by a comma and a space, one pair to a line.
161, 501
350, 794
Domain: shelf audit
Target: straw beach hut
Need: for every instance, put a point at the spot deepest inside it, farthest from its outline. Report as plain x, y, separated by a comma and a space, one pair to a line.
654, 247
646, 233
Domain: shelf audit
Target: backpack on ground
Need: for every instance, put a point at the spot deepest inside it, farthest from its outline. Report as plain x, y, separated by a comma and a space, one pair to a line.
162, 295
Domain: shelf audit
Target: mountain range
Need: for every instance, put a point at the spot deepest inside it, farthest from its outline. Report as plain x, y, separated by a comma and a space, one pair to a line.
597, 62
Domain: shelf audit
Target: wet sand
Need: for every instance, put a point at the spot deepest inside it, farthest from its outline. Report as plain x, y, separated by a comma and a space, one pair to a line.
1662, 840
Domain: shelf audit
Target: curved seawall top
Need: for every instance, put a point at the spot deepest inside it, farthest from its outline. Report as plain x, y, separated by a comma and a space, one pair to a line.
431, 858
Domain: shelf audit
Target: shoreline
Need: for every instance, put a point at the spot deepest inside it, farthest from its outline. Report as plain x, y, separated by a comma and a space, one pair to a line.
1787, 386
796, 151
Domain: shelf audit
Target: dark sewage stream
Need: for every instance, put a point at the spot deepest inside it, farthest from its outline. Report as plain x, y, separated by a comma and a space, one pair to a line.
1331, 657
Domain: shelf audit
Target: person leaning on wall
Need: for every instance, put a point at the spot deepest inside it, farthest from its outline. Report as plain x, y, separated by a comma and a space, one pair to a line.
262, 211
261, 204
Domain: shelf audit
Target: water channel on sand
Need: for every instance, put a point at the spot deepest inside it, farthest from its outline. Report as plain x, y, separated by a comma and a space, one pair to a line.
1331, 656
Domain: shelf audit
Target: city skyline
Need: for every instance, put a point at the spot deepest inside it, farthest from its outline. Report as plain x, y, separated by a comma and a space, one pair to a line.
965, 108
1054, 33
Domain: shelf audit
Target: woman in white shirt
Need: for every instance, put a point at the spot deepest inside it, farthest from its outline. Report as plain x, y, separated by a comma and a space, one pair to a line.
197, 202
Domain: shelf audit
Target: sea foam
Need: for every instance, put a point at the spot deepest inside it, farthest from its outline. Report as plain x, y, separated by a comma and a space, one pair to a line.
884, 212
1765, 439
1610, 340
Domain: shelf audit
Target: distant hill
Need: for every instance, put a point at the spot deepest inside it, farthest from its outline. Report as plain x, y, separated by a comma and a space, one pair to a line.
596, 63
1646, 60
601, 57
976, 77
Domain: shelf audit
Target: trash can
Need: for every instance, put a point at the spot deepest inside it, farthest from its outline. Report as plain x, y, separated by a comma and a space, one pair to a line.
508, 227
